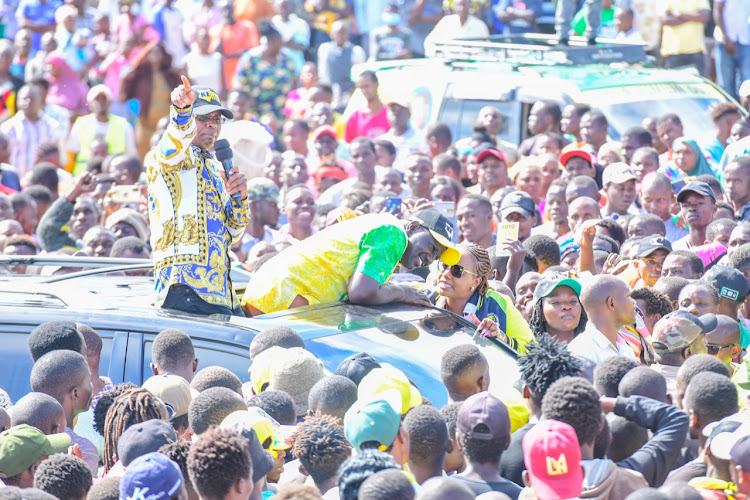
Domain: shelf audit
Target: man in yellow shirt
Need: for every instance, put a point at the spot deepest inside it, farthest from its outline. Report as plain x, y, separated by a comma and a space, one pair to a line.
682, 41
353, 260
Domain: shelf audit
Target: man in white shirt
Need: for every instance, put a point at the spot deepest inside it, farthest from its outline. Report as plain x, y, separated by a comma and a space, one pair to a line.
335, 61
28, 128
606, 300
294, 30
402, 135
732, 34
459, 25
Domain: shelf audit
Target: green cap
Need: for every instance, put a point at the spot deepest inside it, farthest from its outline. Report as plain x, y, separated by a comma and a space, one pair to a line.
261, 188
21, 446
374, 420
548, 284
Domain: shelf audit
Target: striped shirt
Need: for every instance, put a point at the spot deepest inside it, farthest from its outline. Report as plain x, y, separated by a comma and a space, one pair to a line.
24, 137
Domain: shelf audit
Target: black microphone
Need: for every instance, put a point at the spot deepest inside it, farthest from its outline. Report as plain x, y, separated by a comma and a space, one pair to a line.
224, 155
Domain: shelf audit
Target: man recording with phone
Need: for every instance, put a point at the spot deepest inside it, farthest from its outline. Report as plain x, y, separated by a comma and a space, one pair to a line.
194, 219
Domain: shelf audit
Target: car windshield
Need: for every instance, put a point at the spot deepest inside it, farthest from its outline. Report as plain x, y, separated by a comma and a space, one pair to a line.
627, 106
411, 339
463, 113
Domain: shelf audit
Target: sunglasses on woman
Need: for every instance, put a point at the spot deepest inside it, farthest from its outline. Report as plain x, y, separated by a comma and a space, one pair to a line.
456, 270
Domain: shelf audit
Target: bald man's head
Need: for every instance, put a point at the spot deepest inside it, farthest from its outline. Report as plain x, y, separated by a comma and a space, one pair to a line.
41, 411
724, 341
582, 185
606, 299
657, 196
581, 210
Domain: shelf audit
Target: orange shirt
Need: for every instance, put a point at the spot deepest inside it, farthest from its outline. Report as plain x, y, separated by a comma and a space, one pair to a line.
253, 10
235, 40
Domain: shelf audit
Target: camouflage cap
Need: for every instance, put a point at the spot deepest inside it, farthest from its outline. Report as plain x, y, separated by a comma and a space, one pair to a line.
261, 188
678, 329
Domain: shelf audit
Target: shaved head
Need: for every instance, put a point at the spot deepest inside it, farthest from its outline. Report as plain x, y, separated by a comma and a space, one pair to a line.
598, 289
41, 411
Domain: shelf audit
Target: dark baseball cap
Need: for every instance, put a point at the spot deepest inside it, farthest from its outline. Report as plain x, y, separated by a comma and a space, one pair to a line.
142, 438
548, 284
356, 366
442, 230
740, 452
152, 474
518, 202
262, 460
696, 187
207, 101
730, 282
483, 408
647, 246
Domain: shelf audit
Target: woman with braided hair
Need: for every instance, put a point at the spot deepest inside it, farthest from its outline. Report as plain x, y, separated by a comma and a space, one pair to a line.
131, 407
464, 289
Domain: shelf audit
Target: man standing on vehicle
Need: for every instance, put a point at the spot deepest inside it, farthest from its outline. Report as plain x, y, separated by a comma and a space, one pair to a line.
353, 259
193, 218
564, 13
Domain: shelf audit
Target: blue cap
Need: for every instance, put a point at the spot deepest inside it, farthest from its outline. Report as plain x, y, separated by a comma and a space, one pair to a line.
152, 476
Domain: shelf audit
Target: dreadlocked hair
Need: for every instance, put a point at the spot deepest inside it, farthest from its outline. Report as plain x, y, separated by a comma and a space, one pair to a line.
546, 361
484, 265
105, 402
131, 407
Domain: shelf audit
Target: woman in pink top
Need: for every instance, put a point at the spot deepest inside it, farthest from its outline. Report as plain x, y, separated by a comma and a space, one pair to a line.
66, 87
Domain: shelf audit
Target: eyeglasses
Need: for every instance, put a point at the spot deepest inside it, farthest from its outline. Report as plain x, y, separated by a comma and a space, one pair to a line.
217, 119
456, 270
713, 349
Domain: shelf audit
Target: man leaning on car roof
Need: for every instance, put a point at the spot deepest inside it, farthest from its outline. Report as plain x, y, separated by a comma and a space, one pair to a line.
353, 259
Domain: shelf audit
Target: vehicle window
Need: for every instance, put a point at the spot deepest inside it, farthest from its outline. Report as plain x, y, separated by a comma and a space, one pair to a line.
461, 115
17, 363
627, 106
411, 340
235, 358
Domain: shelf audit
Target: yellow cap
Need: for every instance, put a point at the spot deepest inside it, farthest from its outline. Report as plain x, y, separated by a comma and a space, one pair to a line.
260, 369
388, 378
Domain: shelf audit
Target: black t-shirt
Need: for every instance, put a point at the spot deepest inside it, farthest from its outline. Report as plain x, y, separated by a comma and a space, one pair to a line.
511, 462
479, 487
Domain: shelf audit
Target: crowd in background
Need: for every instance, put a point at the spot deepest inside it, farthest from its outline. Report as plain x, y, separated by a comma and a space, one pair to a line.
624, 290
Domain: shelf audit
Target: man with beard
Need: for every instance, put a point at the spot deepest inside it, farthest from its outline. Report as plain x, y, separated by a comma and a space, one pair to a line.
194, 219
353, 259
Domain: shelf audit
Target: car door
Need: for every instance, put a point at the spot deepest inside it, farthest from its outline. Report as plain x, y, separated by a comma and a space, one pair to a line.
16, 361
210, 351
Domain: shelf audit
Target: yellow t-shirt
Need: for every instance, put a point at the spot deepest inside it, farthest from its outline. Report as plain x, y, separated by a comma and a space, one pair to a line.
687, 38
319, 268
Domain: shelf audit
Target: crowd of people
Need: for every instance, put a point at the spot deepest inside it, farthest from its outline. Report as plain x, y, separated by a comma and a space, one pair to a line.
617, 270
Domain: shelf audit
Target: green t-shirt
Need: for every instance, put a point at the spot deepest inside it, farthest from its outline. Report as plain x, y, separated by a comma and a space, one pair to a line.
606, 28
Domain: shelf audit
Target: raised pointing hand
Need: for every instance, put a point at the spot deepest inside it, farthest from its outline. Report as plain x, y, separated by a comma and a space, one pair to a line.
183, 96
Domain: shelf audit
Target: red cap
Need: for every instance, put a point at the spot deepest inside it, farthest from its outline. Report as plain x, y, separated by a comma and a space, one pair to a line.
330, 171
323, 130
491, 152
553, 459
580, 153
